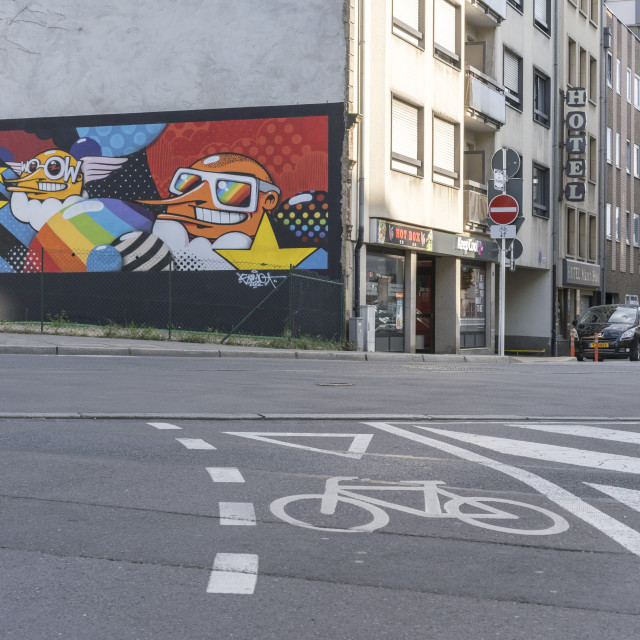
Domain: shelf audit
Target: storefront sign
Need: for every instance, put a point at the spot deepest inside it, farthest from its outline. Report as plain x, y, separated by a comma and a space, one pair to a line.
391, 234
580, 274
401, 235
576, 123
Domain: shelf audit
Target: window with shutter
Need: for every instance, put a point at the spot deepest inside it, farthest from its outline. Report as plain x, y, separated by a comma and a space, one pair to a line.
406, 20
512, 74
541, 14
405, 137
445, 32
444, 152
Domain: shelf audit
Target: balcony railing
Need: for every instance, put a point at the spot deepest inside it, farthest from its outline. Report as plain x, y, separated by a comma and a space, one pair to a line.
481, 11
475, 204
484, 99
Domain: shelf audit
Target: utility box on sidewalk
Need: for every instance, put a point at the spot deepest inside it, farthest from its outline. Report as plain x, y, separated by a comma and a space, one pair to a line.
369, 315
356, 332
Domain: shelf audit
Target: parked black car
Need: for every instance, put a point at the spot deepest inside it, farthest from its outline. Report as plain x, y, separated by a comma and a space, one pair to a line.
617, 327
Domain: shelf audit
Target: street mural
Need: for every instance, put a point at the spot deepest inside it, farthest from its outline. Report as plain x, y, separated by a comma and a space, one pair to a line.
244, 194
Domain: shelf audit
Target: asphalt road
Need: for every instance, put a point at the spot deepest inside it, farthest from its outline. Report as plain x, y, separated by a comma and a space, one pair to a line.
160, 527
215, 386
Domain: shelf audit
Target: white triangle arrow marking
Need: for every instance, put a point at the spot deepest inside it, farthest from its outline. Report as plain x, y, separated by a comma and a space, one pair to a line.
548, 452
630, 497
359, 441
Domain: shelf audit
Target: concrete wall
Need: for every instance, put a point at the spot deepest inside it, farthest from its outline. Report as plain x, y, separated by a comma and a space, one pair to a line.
73, 57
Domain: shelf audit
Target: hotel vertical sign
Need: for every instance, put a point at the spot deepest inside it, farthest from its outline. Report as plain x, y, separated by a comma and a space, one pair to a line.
576, 144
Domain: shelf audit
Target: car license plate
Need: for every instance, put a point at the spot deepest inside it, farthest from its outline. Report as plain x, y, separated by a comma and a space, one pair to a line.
601, 345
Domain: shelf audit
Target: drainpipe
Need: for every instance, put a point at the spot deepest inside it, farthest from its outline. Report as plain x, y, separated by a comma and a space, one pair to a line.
606, 43
362, 86
556, 197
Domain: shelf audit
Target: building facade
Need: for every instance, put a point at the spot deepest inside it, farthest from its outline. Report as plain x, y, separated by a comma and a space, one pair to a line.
621, 167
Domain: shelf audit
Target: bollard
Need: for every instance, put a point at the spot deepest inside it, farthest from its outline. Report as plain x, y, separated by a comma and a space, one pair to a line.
573, 347
595, 354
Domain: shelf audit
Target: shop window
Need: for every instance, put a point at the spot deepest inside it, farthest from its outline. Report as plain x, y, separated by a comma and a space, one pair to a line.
473, 319
385, 290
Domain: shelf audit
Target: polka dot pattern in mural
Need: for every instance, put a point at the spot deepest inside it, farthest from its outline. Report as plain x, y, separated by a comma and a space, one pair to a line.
122, 140
305, 217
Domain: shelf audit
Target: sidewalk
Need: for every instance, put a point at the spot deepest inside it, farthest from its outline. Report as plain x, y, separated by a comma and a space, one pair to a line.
47, 344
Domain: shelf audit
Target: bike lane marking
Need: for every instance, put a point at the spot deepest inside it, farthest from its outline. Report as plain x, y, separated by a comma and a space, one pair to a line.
582, 430
225, 474
359, 441
237, 514
622, 534
234, 573
630, 497
195, 443
548, 452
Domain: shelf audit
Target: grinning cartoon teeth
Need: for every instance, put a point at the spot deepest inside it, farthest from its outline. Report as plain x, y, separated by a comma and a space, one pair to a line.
220, 194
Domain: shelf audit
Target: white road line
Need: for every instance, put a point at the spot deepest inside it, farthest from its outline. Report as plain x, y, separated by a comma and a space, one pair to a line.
163, 425
237, 514
234, 573
359, 441
630, 497
225, 474
548, 452
195, 443
614, 435
621, 533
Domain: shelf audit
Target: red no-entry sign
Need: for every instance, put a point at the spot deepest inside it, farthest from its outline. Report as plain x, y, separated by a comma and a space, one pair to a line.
503, 209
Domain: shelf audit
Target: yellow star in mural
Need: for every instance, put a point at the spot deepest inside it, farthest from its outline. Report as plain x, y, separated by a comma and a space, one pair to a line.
265, 253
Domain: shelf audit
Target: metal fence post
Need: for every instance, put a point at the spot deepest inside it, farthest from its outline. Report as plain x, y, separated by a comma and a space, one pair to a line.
291, 301
170, 296
41, 289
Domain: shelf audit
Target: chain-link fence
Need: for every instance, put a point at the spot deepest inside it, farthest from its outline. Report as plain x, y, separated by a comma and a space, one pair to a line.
213, 296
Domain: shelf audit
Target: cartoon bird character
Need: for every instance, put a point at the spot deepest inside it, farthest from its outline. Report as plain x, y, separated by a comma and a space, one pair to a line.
51, 181
222, 198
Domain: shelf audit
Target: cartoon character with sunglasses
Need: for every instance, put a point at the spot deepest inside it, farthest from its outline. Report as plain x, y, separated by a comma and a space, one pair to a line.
224, 193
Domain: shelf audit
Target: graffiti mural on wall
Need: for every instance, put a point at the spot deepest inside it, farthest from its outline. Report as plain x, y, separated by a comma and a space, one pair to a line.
207, 194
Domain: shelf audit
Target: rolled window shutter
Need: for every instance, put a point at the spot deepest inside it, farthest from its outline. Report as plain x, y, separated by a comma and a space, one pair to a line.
511, 72
408, 11
444, 145
404, 129
444, 25
540, 12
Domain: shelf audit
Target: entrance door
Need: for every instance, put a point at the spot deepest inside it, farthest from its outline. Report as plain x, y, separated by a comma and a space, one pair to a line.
424, 306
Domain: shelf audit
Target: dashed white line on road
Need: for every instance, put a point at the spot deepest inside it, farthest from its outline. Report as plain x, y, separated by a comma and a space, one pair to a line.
195, 443
163, 425
237, 514
234, 573
225, 474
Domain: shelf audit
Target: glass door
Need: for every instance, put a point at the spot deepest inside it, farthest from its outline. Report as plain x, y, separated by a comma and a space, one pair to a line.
424, 306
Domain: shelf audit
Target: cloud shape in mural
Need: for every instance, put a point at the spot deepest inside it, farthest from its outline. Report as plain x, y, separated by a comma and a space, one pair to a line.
122, 139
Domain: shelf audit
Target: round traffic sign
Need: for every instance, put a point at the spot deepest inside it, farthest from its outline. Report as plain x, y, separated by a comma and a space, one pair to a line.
514, 249
503, 209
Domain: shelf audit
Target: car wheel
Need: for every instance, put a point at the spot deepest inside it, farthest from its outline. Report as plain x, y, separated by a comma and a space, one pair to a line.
634, 354
579, 357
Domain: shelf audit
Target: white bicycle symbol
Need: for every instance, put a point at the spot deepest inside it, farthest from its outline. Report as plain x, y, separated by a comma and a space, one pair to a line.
481, 512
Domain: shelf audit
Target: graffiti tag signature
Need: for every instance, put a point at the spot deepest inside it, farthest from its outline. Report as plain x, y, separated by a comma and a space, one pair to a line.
256, 279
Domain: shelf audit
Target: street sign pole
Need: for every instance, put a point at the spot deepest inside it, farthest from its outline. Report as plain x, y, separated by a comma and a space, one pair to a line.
503, 253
